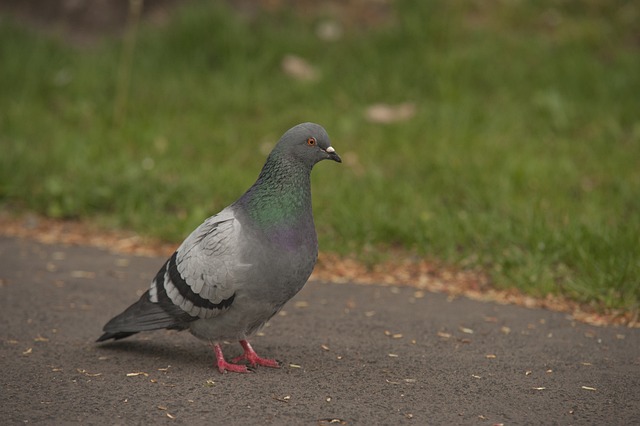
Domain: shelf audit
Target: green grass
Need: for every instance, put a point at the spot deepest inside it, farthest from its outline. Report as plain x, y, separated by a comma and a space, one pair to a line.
523, 158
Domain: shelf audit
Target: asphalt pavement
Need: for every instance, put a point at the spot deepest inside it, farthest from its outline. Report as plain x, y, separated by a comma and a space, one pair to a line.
351, 354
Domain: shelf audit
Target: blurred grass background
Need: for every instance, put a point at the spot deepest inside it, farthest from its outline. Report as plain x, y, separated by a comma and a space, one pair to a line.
521, 158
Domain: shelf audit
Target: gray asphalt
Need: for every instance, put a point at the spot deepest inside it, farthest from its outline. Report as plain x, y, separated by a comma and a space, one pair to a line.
351, 355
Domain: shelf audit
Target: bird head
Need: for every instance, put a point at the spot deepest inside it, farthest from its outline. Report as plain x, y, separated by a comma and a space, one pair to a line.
307, 143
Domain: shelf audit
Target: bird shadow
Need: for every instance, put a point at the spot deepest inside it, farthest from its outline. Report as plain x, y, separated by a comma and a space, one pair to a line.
188, 354
171, 347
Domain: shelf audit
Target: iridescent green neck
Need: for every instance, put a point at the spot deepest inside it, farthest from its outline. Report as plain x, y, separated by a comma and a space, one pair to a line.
281, 196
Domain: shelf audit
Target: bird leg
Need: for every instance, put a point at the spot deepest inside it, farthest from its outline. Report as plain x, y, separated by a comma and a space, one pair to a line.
252, 357
224, 365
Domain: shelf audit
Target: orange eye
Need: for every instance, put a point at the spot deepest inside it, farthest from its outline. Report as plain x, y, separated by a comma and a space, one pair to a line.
311, 141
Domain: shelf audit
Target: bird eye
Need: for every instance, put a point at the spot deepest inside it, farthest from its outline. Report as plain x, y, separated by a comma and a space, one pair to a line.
311, 141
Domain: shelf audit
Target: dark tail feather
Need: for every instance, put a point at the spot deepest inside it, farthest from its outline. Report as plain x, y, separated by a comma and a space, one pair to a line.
114, 336
141, 316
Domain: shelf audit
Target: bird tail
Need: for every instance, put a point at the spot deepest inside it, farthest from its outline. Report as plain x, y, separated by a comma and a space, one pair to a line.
141, 316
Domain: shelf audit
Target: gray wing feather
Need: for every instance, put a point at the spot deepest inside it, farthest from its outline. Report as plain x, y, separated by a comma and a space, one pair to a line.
208, 262
199, 280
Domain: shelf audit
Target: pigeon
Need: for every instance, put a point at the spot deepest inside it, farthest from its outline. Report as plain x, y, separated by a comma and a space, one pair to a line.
240, 266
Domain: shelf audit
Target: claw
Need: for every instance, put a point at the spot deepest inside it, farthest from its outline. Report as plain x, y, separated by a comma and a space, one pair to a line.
252, 357
224, 366
249, 355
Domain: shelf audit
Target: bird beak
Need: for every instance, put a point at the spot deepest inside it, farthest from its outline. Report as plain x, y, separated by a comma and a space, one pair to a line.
333, 155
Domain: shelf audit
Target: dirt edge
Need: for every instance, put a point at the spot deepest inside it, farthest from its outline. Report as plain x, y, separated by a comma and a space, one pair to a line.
421, 274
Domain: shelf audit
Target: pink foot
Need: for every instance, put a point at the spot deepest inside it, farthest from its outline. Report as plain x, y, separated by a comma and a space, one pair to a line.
252, 357
224, 366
